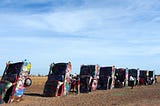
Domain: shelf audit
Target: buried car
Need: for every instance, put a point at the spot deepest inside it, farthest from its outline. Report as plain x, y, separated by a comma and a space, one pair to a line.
146, 77
142, 77
106, 78
120, 77
14, 81
58, 80
135, 74
88, 78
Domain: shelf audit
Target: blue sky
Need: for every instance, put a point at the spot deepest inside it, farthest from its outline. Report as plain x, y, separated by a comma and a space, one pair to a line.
124, 33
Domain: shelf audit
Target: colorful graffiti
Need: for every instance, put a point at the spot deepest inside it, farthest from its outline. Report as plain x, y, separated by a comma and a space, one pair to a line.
106, 78
58, 80
13, 82
88, 78
120, 77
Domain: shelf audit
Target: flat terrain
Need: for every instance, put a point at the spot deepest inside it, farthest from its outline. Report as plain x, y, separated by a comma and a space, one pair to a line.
139, 96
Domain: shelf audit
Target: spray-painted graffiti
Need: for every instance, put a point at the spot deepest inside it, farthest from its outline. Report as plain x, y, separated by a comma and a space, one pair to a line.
57, 83
14, 80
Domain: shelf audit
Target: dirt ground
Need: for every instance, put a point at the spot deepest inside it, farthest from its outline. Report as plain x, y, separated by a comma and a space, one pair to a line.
138, 96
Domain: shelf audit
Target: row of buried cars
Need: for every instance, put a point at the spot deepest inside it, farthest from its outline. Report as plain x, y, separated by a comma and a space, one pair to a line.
61, 82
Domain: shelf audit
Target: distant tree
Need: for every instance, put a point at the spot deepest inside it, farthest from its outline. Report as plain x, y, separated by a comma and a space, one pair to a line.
39, 75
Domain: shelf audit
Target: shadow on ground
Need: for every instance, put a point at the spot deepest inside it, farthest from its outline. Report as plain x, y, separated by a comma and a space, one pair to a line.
33, 94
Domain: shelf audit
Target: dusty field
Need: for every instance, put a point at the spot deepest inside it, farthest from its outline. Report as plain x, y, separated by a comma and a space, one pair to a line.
139, 96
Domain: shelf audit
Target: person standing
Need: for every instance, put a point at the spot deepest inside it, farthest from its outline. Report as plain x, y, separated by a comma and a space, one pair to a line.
132, 81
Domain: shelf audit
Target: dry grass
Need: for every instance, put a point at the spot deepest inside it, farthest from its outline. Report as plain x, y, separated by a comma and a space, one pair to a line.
139, 96
158, 78
38, 80
37, 85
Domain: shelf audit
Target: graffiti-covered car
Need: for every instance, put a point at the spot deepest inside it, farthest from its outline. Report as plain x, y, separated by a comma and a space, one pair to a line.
151, 77
14, 81
135, 74
146, 77
58, 80
142, 77
88, 78
120, 77
106, 78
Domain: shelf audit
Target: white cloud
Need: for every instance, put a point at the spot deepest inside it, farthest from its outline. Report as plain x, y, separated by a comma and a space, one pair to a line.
92, 33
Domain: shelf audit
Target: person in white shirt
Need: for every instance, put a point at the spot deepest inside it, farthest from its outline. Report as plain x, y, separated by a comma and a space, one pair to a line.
132, 81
